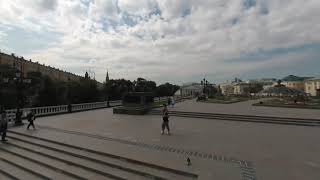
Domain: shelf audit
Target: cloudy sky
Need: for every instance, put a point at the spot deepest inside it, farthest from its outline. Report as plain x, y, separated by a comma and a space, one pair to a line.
166, 40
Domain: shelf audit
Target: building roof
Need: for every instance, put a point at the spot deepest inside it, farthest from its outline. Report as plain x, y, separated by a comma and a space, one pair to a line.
241, 83
192, 87
190, 84
314, 79
294, 78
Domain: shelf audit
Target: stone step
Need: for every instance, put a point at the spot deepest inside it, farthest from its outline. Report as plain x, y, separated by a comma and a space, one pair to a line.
159, 112
243, 118
12, 171
26, 169
144, 170
66, 167
84, 168
5, 177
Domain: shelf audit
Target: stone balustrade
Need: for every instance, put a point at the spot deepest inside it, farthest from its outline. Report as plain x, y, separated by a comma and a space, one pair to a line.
176, 98
50, 110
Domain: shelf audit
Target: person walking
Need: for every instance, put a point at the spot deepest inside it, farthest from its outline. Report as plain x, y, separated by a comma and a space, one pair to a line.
172, 102
18, 117
164, 110
3, 125
31, 117
165, 118
70, 108
165, 123
169, 101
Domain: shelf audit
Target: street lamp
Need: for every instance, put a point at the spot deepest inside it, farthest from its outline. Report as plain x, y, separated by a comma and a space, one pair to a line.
204, 82
19, 82
20, 97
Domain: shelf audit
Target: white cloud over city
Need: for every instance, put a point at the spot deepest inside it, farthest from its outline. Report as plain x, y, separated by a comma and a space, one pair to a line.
164, 40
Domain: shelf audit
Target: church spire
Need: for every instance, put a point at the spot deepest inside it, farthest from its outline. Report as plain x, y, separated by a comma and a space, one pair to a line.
86, 76
107, 77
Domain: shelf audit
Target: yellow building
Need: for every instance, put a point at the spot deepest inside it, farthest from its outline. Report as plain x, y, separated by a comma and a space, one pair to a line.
299, 85
26, 66
295, 82
240, 88
312, 86
227, 89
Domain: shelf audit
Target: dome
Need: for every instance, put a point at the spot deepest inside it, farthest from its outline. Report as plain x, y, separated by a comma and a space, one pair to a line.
282, 91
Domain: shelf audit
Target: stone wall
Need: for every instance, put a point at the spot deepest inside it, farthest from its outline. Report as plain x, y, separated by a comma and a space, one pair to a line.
28, 66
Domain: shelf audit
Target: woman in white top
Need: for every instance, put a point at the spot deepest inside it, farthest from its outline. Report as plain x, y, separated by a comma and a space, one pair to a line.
172, 102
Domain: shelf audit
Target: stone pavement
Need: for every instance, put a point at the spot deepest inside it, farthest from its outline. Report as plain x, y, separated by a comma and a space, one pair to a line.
218, 149
246, 108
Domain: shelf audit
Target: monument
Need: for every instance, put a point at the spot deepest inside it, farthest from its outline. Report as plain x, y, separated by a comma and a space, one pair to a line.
135, 103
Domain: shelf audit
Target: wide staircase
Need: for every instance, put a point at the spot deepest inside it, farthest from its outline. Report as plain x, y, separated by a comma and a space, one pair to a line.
27, 157
243, 118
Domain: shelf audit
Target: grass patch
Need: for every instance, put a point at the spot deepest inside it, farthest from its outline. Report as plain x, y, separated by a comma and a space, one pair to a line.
159, 103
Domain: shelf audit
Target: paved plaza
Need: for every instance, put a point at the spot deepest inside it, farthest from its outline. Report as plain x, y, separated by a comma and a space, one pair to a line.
217, 149
246, 108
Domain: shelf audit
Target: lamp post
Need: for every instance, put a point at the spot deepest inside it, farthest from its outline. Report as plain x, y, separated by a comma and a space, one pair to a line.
107, 91
20, 100
20, 81
69, 106
204, 83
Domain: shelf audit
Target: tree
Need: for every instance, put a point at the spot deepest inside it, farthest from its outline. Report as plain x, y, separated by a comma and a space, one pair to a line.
166, 89
83, 91
143, 85
118, 87
8, 90
47, 94
7, 71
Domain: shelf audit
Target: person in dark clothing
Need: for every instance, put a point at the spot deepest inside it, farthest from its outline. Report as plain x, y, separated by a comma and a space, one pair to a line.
164, 110
31, 117
165, 123
169, 101
3, 125
69, 108
18, 116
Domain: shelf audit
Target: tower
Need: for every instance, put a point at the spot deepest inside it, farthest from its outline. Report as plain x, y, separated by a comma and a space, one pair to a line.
107, 77
86, 76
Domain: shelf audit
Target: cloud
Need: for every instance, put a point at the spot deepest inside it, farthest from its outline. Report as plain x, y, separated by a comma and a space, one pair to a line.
141, 8
174, 9
2, 35
161, 38
46, 4
103, 9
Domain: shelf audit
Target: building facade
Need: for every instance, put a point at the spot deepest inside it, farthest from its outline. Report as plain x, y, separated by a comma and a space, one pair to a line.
240, 88
298, 85
26, 66
295, 82
193, 89
227, 89
312, 86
